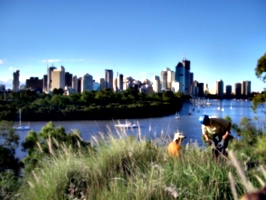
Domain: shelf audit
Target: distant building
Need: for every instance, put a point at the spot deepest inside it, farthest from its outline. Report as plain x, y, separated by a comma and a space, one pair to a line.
109, 79
156, 84
16, 81
44, 85
2, 87
120, 80
75, 83
58, 78
34, 83
246, 89
170, 78
220, 88
102, 83
49, 78
200, 89
188, 82
87, 83
68, 79
238, 90
228, 91
164, 80
180, 76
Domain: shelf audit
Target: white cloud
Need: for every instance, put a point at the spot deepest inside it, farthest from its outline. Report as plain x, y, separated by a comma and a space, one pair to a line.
11, 68
51, 61
1, 62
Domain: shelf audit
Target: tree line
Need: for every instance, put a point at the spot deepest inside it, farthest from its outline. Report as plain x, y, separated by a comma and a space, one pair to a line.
89, 105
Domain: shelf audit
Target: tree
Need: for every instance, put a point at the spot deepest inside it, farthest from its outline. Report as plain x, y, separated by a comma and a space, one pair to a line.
260, 70
9, 141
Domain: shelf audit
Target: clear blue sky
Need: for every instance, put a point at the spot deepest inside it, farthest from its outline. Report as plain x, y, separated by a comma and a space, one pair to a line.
223, 39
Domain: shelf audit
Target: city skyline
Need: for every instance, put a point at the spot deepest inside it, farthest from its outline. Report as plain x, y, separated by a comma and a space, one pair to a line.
223, 40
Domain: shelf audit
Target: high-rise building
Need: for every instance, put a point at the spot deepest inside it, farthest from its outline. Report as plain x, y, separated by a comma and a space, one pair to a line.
120, 79
87, 83
170, 78
44, 85
34, 83
75, 83
49, 78
58, 78
68, 79
156, 84
180, 76
164, 80
238, 90
228, 91
109, 78
102, 83
16, 81
246, 89
220, 88
188, 82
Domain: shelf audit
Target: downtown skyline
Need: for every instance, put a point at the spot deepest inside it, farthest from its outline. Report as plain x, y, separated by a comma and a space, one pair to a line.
223, 40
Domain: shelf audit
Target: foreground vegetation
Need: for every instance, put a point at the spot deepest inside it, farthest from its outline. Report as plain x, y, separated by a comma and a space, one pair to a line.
121, 166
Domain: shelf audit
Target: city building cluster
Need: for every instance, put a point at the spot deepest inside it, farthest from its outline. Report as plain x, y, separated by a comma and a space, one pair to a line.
180, 80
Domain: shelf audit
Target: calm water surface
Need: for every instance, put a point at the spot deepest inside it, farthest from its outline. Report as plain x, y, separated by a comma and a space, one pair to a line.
154, 128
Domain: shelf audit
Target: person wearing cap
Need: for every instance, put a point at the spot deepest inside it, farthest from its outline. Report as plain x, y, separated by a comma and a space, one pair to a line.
218, 129
174, 148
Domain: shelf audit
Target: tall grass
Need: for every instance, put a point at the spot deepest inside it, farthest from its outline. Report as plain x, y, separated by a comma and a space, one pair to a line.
126, 167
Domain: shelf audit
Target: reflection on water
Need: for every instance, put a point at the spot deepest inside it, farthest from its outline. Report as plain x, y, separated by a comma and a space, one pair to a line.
154, 128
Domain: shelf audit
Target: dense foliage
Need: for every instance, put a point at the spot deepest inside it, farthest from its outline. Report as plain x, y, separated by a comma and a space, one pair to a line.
94, 105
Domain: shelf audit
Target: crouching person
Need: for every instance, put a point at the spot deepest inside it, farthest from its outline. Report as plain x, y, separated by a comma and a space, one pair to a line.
174, 148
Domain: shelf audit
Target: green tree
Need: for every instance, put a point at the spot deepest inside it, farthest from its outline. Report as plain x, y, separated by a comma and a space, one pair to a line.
9, 141
260, 70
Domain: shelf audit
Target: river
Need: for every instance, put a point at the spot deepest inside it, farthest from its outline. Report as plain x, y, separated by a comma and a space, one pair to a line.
154, 128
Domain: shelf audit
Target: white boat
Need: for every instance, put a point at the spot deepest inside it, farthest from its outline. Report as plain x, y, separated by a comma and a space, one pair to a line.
21, 127
177, 116
126, 125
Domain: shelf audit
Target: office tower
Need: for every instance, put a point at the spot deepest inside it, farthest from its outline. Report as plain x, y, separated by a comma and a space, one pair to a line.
102, 83
156, 84
186, 65
16, 81
200, 89
195, 89
109, 78
87, 83
228, 91
79, 84
191, 79
34, 83
128, 83
44, 86
75, 83
238, 90
246, 89
120, 80
206, 89
220, 88
58, 78
170, 78
2, 87
164, 80
68, 79
115, 88
49, 78
180, 76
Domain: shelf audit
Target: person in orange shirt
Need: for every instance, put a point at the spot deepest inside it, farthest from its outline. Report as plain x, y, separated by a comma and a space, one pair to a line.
174, 148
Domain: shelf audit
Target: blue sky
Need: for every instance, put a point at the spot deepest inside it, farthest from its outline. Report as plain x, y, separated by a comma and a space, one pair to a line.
223, 39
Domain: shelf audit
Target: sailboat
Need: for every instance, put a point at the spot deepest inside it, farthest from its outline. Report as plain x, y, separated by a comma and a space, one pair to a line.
177, 115
21, 127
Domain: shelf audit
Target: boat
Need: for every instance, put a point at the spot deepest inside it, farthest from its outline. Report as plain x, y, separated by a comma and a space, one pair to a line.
177, 116
126, 125
21, 127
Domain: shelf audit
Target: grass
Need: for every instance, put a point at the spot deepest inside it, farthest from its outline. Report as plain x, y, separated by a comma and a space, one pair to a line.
126, 167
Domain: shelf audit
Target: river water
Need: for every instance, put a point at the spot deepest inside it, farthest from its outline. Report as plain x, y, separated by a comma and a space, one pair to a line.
154, 128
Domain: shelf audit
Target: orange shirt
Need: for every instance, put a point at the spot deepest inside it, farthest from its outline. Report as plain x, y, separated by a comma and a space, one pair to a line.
174, 149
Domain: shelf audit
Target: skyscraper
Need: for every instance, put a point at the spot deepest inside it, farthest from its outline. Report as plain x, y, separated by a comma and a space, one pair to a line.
164, 80
180, 76
75, 83
58, 78
220, 88
16, 81
68, 79
156, 84
237, 90
87, 83
188, 82
49, 78
109, 78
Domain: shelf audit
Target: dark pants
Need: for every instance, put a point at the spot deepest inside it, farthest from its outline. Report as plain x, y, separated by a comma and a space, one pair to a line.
219, 150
